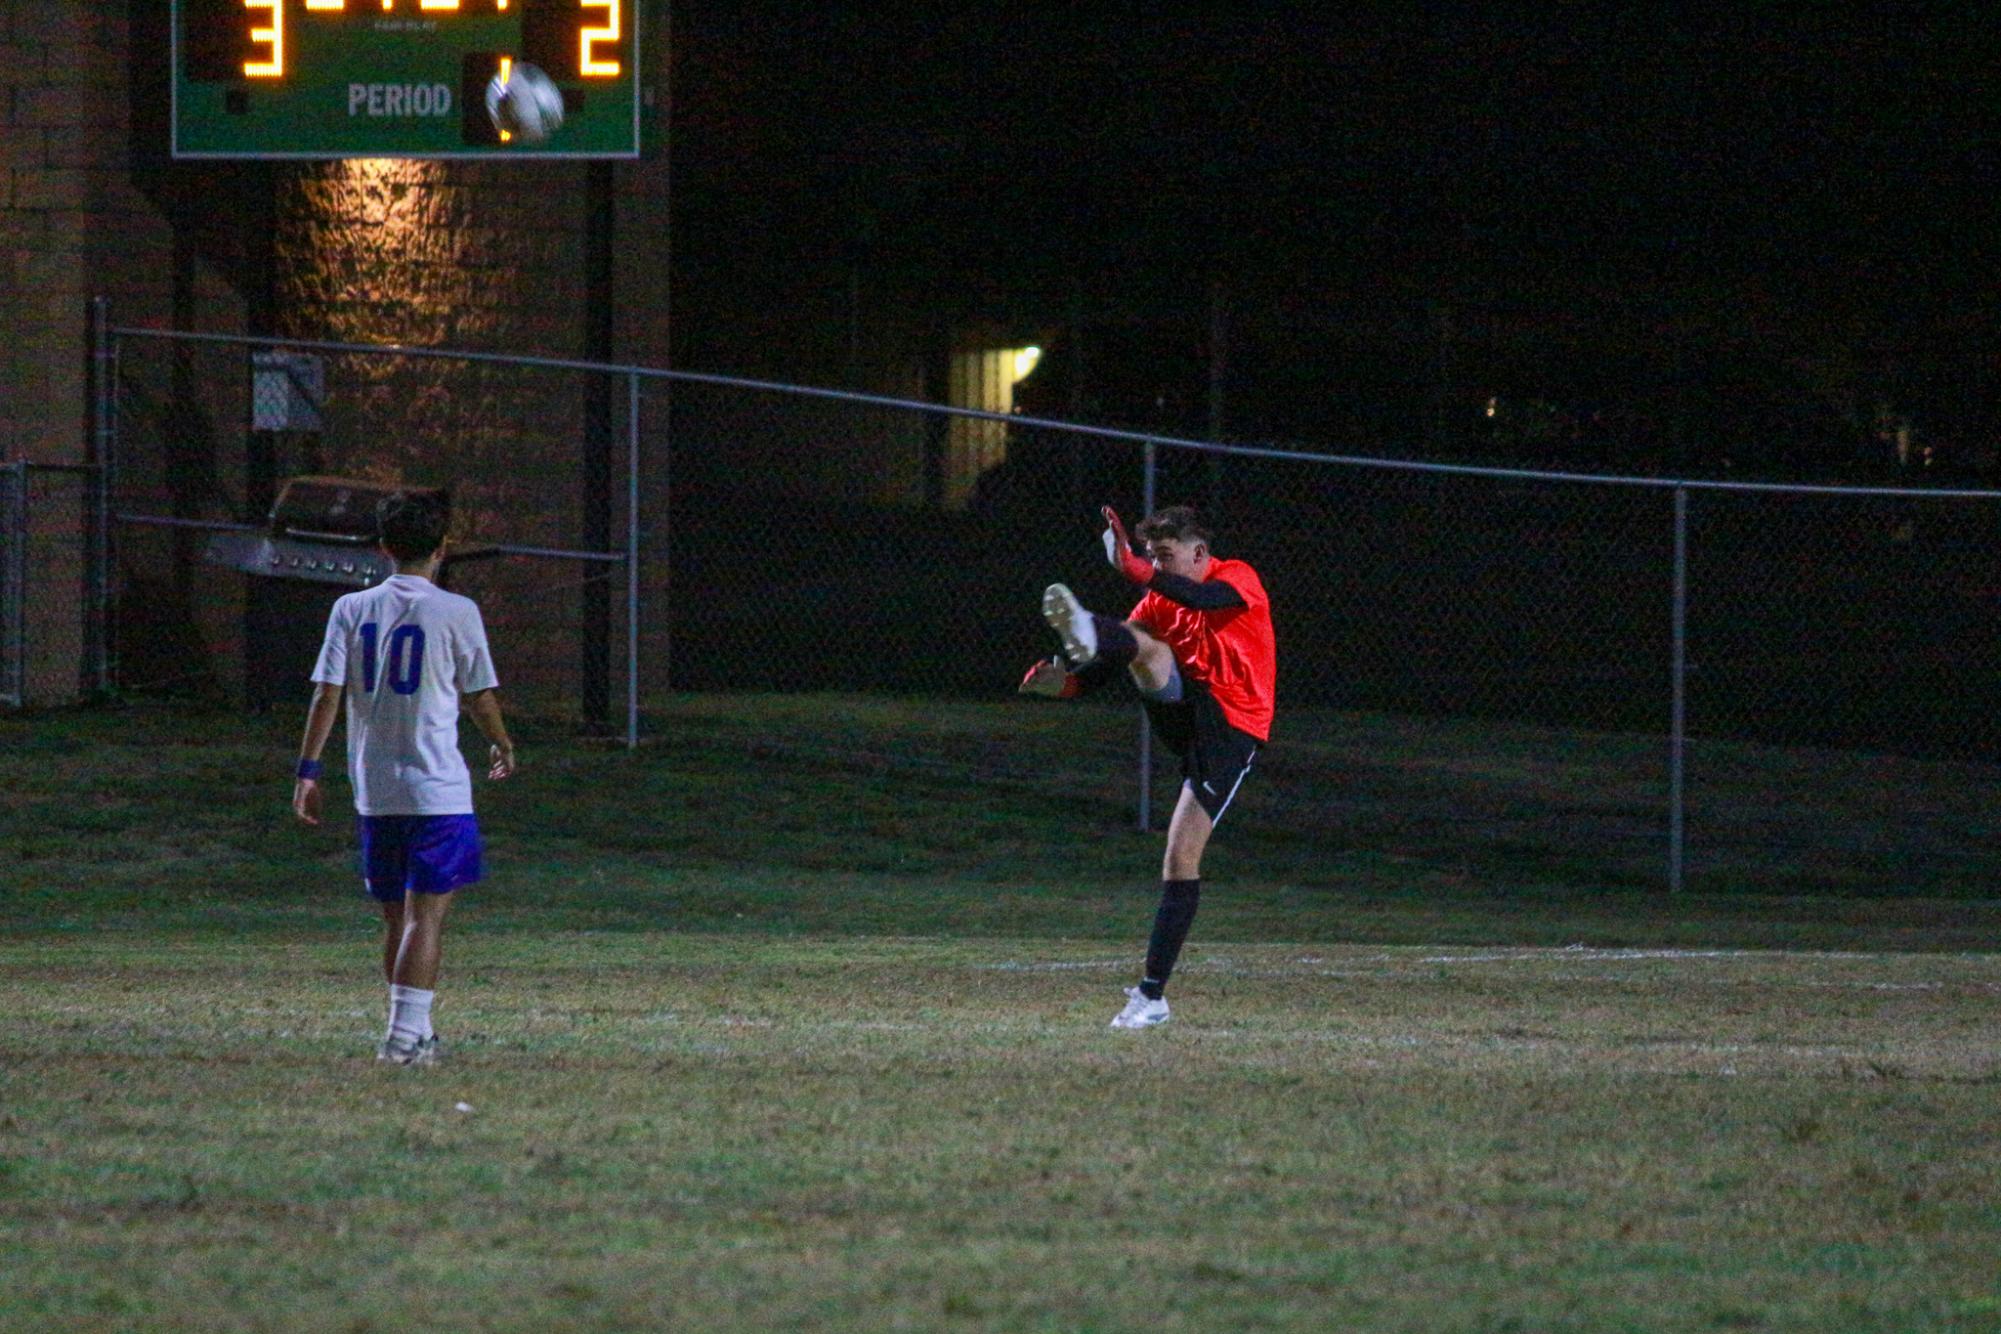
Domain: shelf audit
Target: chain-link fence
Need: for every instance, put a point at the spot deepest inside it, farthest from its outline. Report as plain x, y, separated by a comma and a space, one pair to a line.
47, 584
535, 455
1629, 679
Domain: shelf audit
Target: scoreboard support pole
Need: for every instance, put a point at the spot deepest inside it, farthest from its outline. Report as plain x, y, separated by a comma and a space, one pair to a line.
600, 222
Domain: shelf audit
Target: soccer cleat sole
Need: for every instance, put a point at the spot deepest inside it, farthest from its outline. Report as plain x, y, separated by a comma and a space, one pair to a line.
1072, 624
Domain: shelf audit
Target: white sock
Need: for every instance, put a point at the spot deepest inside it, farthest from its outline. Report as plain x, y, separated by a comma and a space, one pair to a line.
409, 1013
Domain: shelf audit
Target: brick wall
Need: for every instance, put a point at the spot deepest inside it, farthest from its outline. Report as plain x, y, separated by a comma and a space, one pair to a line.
484, 256
69, 218
72, 223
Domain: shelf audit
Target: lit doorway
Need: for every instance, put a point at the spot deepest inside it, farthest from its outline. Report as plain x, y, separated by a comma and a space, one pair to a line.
983, 379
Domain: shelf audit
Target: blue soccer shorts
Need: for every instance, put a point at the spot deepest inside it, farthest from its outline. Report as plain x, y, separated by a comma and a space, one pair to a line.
425, 854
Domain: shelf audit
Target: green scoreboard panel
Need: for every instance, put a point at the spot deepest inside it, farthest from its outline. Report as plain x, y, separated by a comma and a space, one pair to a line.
398, 78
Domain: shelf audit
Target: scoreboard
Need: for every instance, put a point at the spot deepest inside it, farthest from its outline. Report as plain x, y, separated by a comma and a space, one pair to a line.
398, 78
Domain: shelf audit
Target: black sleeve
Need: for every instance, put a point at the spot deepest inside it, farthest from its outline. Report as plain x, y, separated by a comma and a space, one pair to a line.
1095, 673
1209, 595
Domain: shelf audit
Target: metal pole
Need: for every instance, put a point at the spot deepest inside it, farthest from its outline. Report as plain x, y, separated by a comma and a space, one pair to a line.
662, 533
103, 449
600, 267
1677, 726
1145, 731
13, 584
631, 561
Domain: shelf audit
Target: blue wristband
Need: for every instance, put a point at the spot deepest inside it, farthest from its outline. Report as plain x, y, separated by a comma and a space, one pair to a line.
309, 768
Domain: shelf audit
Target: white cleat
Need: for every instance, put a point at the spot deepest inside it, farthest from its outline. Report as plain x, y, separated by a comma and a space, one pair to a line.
1140, 1011
395, 1051
1072, 624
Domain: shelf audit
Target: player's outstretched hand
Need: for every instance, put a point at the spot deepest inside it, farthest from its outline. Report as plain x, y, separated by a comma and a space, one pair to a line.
503, 761
1050, 679
1119, 549
306, 800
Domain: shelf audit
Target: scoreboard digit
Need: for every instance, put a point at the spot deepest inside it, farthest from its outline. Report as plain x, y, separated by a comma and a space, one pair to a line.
397, 78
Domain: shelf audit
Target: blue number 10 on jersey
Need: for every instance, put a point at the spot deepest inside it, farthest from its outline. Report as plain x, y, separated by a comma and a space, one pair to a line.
406, 657
406, 653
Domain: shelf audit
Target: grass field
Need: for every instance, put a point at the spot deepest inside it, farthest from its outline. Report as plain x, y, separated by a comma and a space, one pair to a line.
796, 1020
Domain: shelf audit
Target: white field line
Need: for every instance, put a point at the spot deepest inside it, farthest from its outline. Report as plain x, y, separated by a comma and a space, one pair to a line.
1609, 1052
679, 1020
1782, 983
1511, 954
1050, 966
1581, 952
1508, 954
1315, 1037
1390, 964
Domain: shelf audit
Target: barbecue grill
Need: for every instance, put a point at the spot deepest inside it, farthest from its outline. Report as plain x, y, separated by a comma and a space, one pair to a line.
322, 530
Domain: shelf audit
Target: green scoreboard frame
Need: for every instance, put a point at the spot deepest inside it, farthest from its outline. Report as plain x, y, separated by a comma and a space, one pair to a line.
398, 78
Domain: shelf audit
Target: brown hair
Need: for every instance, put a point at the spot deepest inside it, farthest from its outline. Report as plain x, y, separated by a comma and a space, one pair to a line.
1176, 523
412, 524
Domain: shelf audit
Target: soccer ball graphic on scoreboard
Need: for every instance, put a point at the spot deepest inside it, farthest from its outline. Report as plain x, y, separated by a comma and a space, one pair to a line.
524, 103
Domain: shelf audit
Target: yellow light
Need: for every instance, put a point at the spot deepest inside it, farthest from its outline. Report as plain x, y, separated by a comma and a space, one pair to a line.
587, 61
1025, 360
437, 4
326, 4
273, 37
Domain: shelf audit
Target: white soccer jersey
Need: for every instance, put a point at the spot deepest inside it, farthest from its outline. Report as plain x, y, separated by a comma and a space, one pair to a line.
406, 650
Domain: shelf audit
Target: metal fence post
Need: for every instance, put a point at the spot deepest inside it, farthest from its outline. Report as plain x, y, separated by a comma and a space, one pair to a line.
13, 584
103, 451
1145, 731
662, 545
1678, 711
632, 561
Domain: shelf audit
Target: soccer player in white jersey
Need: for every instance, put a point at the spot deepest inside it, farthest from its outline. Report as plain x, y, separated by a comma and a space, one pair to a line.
406, 654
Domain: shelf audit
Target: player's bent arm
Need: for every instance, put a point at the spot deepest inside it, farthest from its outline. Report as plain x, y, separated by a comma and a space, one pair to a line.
1050, 679
1197, 595
1119, 549
484, 706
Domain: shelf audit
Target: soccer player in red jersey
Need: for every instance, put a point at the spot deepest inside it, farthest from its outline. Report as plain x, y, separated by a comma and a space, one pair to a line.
1199, 647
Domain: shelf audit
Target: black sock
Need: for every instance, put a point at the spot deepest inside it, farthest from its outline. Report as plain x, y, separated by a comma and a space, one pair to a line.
1116, 645
1171, 921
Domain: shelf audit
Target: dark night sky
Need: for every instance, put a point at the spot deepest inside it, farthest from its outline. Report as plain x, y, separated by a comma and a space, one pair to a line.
1836, 169
1748, 141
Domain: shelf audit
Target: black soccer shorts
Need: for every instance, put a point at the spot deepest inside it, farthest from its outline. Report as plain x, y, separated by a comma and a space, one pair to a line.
1214, 755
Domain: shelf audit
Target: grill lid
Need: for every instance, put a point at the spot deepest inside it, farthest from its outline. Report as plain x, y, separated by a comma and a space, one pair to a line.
339, 510
322, 529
